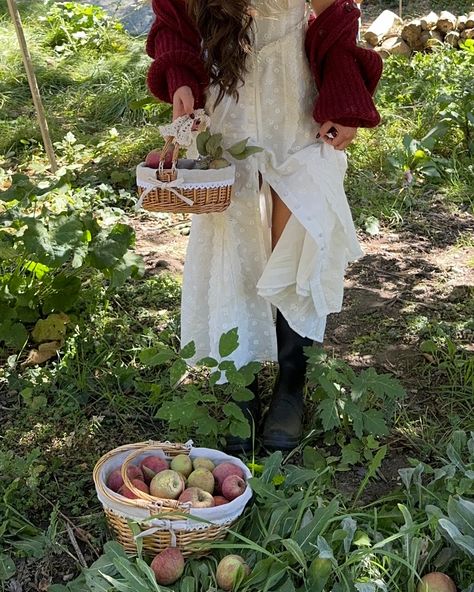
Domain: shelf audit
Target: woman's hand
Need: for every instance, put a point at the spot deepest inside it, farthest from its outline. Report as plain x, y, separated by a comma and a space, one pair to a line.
183, 102
337, 135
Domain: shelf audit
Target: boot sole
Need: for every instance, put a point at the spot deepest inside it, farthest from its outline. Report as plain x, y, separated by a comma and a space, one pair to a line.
280, 442
239, 448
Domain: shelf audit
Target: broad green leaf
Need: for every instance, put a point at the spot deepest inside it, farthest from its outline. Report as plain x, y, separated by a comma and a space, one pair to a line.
63, 293
13, 334
156, 356
463, 542
188, 584
177, 370
295, 550
130, 266
374, 423
128, 571
188, 351
233, 410
208, 362
461, 513
350, 526
117, 584
148, 573
248, 151
53, 328
272, 467
228, 342
299, 476
109, 246
308, 535
350, 455
201, 141
286, 586
7, 567
114, 549
313, 459
213, 143
242, 394
356, 414
238, 147
328, 413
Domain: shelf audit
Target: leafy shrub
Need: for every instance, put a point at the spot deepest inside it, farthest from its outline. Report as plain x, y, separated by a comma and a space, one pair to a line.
74, 25
350, 404
51, 243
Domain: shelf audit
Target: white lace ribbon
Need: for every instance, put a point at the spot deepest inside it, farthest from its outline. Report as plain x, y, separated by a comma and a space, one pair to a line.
150, 184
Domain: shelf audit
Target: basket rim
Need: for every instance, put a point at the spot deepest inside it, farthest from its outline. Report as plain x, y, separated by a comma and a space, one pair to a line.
153, 505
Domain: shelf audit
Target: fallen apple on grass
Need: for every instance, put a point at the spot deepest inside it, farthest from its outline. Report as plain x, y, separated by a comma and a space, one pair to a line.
168, 566
436, 582
228, 569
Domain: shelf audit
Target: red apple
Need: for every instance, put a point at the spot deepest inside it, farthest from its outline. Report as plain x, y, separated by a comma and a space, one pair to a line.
227, 571
233, 486
115, 481
224, 470
127, 492
154, 157
197, 497
168, 566
436, 582
151, 465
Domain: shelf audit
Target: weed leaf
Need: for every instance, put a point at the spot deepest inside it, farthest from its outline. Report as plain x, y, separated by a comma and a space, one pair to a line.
308, 535
228, 343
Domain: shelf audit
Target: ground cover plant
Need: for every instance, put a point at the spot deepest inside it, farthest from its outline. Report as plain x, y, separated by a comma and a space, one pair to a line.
380, 491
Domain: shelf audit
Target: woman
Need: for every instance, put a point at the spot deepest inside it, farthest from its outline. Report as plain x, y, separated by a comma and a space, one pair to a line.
286, 239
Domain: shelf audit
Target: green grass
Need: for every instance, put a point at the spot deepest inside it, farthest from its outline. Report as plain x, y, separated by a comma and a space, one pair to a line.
57, 419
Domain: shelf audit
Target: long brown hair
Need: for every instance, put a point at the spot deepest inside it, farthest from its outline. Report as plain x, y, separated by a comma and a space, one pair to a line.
225, 27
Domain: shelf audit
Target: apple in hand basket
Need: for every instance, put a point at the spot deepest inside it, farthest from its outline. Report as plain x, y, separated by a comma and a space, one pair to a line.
210, 154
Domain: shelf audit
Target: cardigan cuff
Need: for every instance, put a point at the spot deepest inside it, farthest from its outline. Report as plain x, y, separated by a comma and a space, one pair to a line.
180, 76
345, 95
173, 69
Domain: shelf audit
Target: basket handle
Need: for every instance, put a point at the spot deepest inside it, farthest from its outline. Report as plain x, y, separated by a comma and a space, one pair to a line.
169, 142
173, 450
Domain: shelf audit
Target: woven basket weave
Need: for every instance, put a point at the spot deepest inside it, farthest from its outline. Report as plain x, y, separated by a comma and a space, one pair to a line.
181, 190
172, 527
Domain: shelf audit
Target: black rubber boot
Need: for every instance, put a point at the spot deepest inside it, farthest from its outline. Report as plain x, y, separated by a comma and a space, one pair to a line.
251, 410
284, 422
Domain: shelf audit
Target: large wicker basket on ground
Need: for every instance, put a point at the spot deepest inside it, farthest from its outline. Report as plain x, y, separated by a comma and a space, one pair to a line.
175, 525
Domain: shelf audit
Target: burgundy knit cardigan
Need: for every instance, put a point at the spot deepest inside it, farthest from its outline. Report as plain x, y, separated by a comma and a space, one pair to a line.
346, 75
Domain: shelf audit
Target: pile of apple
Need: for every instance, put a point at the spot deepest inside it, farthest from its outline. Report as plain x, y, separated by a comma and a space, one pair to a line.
199, 482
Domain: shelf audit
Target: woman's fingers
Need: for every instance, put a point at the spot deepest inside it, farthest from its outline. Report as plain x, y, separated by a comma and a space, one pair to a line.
183, 102
338, 136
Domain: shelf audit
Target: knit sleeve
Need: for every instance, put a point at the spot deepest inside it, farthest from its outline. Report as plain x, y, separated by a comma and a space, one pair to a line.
345, 74
175, 47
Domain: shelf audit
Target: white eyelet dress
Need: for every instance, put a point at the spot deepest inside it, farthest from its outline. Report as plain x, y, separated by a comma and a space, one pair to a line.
231, 277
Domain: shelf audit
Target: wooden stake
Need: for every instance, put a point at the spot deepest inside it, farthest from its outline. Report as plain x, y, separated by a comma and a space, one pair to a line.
400, 9
35, 93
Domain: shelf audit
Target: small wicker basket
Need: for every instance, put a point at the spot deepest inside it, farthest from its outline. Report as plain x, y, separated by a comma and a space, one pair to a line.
175, 529
182, 190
